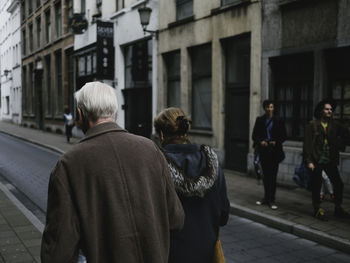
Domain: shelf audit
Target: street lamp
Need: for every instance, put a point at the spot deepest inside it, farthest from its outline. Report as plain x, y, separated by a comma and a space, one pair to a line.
145, 15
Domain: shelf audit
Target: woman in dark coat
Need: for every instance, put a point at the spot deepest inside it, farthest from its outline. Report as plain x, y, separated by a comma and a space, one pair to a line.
268, 135
200, 185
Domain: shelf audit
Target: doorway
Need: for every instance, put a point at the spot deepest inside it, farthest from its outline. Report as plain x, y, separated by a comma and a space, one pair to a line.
237, 90
138, 88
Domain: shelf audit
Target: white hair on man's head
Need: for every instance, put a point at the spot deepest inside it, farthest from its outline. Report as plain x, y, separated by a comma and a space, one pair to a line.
97, 100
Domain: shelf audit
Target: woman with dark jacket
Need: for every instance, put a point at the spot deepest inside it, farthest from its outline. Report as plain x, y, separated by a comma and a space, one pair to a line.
268, 135
200, 185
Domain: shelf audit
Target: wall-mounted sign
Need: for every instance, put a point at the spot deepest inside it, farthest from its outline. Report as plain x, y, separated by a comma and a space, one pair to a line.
78, 23
105, 50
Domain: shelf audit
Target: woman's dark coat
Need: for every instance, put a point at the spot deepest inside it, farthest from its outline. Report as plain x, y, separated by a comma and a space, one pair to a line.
278, 134
201, 187
112, 196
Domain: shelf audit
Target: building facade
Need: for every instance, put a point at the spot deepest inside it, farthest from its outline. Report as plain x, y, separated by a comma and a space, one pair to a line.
125, 57
136, 66
10, 53
209, 65
47, 63
305, 58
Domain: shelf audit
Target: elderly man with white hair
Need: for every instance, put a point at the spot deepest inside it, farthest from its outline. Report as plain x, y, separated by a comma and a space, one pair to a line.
111, 195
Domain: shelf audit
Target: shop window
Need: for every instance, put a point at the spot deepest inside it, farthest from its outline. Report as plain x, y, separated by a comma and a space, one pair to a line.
293, 92
172, 63
201, 87
184, 9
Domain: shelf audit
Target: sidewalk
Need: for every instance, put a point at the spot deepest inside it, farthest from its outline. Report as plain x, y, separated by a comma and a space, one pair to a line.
293, 216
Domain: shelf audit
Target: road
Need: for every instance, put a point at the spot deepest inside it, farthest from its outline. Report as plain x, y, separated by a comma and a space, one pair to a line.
28, 167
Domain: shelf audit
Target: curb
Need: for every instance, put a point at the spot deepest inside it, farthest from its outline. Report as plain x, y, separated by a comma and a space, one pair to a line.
52, 148
292, 228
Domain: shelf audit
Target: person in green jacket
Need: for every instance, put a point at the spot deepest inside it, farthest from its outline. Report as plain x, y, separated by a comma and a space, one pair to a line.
324, 138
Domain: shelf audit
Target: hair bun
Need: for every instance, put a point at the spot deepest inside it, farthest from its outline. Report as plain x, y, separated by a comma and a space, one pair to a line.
182, 124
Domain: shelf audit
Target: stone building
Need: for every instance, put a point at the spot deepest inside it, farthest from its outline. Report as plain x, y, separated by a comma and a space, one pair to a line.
47, 63
10, 61
305, 58
209, 64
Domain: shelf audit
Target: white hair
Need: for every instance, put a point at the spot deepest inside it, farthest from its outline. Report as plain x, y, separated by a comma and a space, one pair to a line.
97, 100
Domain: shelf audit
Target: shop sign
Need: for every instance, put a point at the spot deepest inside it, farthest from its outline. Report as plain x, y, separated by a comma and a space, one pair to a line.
78, 23
105, 50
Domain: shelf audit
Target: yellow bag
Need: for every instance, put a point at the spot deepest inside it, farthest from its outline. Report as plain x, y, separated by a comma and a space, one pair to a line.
218, 256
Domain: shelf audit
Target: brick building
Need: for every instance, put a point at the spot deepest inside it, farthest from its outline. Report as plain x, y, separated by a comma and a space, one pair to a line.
47, 63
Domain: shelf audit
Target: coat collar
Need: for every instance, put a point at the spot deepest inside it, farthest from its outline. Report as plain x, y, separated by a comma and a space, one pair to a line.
102, 129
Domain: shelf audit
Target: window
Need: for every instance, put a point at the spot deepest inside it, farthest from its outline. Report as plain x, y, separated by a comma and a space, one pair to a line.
24, 42
70, 73
138, 65
201, 87
38, 3
30, 94
81, 65
172, 62
58, 19
69, 14
228, 2
58, 67
23, 10
293, 91
7, 105
24, 88
30, 7
38, 32
48, 84
338, 64
82, 7
31, 38
184, 9
48, 26
120, 4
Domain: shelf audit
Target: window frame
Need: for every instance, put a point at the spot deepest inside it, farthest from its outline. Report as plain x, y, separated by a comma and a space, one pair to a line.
58, 19
180, 4
196, 78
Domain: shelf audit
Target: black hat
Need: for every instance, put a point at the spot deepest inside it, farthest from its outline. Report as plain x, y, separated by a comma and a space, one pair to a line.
319, 107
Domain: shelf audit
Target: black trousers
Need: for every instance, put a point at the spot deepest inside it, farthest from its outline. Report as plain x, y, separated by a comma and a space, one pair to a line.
316, 181
68, 131
269, 166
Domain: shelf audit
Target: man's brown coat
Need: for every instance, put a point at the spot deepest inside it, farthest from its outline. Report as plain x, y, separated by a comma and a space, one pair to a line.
111, 195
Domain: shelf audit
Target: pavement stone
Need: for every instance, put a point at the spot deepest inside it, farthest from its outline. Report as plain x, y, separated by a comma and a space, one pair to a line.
294, 215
